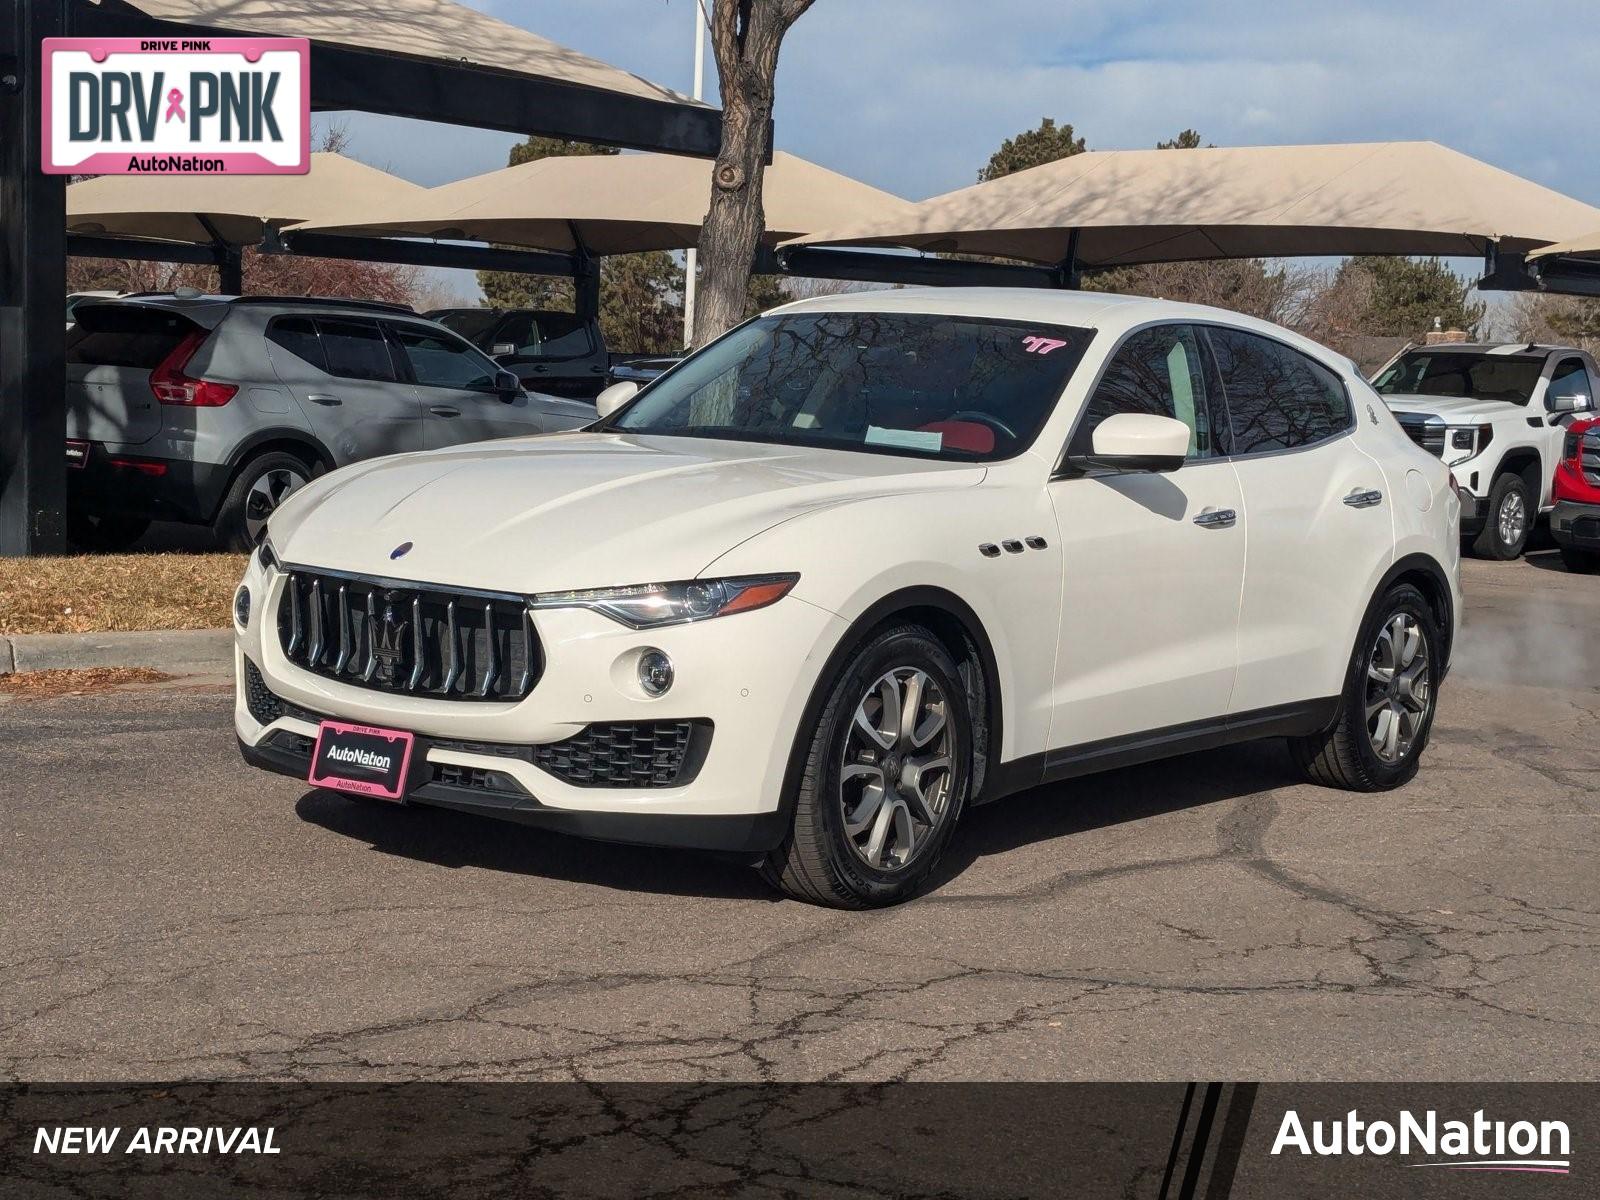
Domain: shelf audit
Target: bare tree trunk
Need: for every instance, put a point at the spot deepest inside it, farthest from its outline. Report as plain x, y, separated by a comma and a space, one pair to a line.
745, 36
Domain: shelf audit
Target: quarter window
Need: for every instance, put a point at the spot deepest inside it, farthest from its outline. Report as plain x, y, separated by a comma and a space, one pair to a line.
1278, 398
356, 349
1159, 371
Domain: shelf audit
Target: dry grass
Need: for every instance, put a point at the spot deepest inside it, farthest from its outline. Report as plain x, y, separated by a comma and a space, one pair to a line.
47, 685
110, 593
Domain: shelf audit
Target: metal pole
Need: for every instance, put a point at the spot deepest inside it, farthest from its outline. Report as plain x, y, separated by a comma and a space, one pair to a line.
691, 259
33, 292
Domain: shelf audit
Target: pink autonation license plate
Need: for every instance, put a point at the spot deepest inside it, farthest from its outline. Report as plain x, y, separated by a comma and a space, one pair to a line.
361, 759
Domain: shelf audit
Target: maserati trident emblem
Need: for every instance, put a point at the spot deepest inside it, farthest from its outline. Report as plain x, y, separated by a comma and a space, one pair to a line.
388, 645
400, 551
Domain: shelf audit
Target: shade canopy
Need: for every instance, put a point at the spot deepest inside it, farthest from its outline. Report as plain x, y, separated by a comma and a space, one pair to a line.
426, 29
615, 204
239, 208
1144, 206
1584, 246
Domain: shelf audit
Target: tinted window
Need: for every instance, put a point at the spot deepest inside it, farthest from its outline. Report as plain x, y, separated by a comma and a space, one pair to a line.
298, 335
124, 336
1510, 378
356, 349
959, 388
1159, 371
474, 324
439, 360
1571, 378
544, 335
1277, 397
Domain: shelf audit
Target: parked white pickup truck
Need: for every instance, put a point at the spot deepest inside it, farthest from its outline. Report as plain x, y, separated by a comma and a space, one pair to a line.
1496, 414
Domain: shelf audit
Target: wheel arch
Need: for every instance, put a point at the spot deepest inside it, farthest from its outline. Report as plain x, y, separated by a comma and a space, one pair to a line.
953, 621
1428, 576
1527, 462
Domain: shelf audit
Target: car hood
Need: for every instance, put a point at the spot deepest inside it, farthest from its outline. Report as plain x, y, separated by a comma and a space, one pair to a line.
576, 510
1452, 408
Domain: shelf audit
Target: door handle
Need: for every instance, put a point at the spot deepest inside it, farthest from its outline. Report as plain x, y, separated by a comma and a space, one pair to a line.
444, 410
324, 399
1216, 518
1364, 498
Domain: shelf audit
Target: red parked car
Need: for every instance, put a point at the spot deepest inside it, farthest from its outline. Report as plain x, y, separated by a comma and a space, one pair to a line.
1575, 522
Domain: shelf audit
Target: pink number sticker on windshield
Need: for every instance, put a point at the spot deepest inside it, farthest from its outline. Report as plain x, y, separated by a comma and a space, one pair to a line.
1034, 344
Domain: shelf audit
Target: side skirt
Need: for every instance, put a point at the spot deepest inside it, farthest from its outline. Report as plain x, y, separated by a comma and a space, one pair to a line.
1283, 720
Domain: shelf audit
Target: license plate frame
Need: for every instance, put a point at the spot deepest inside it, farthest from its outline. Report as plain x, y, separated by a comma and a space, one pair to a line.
345, 772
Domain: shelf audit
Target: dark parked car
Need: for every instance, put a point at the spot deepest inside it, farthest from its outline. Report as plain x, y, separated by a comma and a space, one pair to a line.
559, 353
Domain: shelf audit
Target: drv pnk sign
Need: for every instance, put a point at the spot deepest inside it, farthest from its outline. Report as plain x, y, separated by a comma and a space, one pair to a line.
169, 106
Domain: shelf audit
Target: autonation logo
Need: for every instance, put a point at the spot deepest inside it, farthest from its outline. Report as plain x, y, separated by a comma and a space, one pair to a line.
1476, 1145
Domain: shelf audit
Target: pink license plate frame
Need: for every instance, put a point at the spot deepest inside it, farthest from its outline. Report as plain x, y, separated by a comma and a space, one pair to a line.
318, 777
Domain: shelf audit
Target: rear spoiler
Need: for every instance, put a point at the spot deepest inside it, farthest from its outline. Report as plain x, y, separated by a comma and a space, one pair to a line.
131, 316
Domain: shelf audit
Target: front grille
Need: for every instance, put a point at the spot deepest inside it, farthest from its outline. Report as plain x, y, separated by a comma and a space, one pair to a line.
622, 755
412, 640
1589, 456
1427, 432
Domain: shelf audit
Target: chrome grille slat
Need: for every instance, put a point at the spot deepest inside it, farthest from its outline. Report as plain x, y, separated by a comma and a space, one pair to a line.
419, 639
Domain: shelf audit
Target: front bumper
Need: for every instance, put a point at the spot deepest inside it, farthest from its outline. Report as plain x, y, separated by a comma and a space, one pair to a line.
748, 676
1575, 524
1473, 512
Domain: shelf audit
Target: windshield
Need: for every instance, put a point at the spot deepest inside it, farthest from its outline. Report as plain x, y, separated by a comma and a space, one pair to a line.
1507, 377
958, 388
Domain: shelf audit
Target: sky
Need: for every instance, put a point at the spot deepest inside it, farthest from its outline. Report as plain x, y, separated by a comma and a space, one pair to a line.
914, 95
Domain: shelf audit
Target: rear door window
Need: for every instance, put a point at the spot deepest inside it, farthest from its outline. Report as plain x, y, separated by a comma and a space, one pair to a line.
356, 349
298, 335
1278, 398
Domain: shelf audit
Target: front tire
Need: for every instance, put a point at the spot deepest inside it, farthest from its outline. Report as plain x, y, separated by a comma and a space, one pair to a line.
1509, 522
1386, 708
885, 778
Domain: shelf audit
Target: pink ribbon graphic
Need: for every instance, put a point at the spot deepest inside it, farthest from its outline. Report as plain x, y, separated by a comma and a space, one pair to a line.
175, 105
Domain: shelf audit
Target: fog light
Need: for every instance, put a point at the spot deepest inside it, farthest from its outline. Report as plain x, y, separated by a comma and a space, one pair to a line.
241, 606
655, 673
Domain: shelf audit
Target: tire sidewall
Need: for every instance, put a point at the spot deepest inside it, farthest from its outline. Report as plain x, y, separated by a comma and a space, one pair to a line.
230, 528
899, 648
1400, 598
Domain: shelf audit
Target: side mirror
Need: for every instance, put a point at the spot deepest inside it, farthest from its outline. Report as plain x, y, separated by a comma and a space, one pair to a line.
614, 397
1136, 442
1576, 402
507, 386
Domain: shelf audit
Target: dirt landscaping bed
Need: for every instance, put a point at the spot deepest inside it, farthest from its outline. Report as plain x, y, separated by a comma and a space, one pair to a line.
116, 593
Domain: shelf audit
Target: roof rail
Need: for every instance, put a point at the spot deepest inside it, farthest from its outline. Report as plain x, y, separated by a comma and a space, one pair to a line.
327, 302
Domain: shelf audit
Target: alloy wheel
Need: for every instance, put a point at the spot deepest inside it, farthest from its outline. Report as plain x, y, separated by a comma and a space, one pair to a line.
265, 494
1512, 519
896, 779
1399, 687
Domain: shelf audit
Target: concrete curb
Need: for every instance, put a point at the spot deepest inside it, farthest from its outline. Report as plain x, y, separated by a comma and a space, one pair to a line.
176, 651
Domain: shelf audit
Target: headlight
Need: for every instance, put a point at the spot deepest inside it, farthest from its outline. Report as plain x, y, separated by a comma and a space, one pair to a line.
651, 605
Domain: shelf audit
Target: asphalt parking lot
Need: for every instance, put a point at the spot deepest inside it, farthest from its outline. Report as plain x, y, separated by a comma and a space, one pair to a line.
168, 913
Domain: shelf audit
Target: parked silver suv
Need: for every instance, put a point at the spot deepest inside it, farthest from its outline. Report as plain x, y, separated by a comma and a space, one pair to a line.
210, 410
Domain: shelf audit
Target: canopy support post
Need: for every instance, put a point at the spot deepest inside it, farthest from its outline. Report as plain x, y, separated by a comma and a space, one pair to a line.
1506, 271
1071, 276
585, 277
33, 293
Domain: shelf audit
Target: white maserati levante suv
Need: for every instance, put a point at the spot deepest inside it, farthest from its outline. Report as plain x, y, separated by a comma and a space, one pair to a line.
862, 563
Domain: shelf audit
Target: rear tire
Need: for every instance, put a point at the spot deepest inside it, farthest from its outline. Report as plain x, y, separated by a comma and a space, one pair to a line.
874, 808
255, 493
1509, 520
104, 534
1579, 561
1387, 705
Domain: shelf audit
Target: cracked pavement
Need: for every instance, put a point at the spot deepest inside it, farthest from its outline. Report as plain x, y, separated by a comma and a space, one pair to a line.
168, 913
